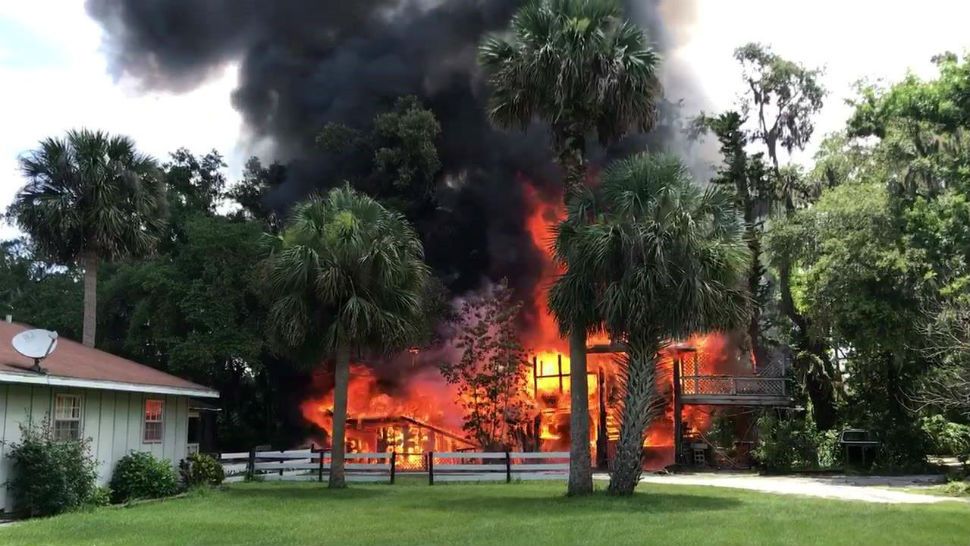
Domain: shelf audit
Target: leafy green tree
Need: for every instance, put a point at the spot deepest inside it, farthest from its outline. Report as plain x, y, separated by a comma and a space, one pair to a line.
861, 287
196, 311
782, 98
345, 274
579, 66
251, 193
34, 292
196, 183
745, 176
665, 259
395, 160
946, 387
90, 197
491, 374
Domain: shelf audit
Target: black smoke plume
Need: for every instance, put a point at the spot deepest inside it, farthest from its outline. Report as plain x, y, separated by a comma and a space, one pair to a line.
305, 63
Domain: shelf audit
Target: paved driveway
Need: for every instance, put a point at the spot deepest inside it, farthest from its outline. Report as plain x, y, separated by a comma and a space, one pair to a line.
856, 488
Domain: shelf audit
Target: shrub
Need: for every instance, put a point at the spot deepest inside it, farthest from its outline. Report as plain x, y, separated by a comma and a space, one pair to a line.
946, 437
957, 489
100, 496
795, 444
140, 475
50, 477
201, 469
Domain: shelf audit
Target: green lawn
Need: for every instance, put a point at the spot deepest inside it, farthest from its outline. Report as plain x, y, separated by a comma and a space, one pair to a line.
533, 514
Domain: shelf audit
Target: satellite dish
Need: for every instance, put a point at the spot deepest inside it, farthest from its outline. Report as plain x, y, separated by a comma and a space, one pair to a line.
36, 344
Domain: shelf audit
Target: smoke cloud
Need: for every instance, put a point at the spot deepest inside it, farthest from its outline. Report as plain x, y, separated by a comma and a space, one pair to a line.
306, 63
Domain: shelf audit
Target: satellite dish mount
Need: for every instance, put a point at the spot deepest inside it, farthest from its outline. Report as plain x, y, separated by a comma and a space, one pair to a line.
36, 345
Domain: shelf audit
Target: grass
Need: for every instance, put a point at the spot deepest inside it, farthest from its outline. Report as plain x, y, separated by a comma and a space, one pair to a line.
481, 514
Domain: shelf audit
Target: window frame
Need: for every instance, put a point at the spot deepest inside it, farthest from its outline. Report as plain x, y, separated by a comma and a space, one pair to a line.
56, 417
160, 421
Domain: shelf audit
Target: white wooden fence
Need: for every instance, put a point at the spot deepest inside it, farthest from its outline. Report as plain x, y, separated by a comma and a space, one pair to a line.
306, 464
477, 466
457, 466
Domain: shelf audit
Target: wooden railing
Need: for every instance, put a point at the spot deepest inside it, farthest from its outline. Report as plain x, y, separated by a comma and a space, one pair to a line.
714, 385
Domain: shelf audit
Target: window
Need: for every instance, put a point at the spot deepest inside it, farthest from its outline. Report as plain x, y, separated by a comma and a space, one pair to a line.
153, 421
67, 417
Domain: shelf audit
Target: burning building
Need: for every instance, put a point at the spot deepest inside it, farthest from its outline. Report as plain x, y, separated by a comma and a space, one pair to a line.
412, 410
305, 64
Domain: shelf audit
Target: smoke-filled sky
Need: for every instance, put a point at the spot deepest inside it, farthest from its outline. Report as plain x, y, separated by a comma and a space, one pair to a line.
57, 70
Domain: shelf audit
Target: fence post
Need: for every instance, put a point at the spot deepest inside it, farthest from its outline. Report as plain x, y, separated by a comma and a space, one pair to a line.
431, 468
251, 465
282, 462
508, 468
393, 465
320, 453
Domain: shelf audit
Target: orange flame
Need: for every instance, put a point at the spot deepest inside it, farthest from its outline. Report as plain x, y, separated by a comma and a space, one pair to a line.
423, 415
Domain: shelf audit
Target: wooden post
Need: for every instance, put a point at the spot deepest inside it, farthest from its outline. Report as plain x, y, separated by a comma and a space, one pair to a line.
431, 468
508, 468
601, 433
560, 372
282, 462
320, 455
535, 376
678, 414
251, 466
393, 465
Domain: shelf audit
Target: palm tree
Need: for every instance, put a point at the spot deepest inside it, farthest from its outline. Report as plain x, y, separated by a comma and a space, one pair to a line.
345, 274
583, 69
90, 197
662, 258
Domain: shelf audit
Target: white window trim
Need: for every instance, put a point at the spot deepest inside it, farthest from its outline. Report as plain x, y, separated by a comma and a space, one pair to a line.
80, 418
145, 421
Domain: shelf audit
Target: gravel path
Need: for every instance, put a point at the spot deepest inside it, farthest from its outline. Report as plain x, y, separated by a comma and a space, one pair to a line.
855, 488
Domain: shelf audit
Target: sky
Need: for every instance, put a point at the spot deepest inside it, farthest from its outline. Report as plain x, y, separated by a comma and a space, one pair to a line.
54, 74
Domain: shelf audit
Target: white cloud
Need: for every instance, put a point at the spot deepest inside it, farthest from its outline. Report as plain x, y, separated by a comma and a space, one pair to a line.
77, 91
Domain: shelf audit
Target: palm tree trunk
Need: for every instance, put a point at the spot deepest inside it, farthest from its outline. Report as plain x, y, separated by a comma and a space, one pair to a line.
571, 156
641, 405
338, 442
90, 263
580, 464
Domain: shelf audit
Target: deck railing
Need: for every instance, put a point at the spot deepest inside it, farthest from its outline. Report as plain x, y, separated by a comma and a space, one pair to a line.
719, 385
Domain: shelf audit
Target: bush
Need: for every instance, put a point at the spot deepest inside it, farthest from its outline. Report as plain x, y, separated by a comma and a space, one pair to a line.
50, 477
957, 489
795, 444
100, 496
946, 437
201, 469
140, 475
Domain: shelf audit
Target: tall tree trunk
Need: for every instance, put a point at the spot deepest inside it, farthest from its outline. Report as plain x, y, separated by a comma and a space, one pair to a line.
641, 405
580, 463
570, 152
339, 442
90, 264
755, 272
